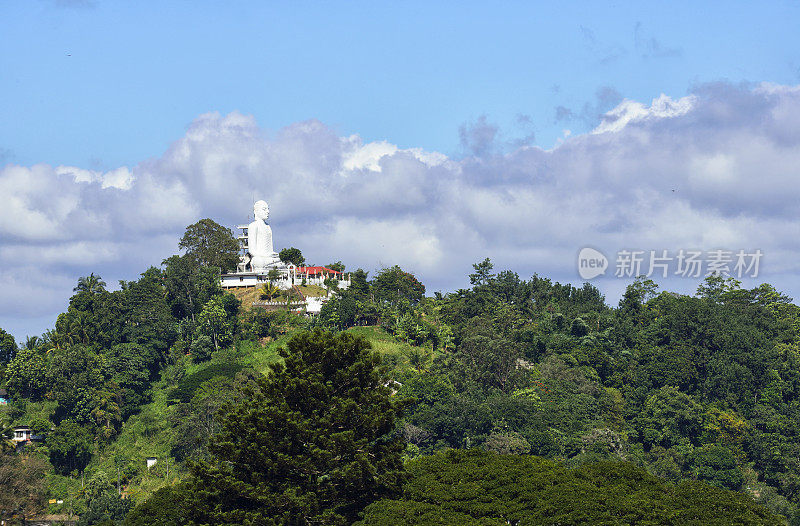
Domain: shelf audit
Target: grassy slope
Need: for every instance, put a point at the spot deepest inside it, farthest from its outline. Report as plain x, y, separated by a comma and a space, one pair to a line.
148, 433
394, 352
312, 290
246, 295
383, 342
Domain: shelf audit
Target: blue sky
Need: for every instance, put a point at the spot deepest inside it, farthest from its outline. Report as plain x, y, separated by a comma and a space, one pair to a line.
427, 134
100, 84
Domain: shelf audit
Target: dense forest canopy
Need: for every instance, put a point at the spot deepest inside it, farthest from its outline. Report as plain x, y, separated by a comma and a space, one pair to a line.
367, 408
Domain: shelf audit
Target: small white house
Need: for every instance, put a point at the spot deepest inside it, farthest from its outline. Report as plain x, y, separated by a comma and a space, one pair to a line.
21, 434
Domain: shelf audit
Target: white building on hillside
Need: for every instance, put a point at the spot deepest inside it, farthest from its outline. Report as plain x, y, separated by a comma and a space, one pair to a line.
259, 264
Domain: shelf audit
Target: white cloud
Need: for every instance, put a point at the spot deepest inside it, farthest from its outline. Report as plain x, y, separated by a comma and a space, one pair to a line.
359, 156
629, 111
121, 178
37, 204
378, 243
714, 169
77, 253
28, 292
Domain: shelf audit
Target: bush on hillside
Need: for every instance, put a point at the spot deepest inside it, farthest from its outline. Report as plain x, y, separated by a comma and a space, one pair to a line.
190, 383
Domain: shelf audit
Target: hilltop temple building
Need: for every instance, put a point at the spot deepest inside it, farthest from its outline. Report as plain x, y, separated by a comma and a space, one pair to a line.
259, 263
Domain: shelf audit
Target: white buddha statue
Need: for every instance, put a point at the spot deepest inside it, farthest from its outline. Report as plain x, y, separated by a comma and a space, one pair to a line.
259, 238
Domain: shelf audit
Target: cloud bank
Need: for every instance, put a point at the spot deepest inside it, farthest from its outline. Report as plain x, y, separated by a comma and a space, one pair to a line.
715, 169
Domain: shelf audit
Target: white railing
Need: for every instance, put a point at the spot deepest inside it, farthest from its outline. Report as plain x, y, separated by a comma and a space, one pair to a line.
267, 303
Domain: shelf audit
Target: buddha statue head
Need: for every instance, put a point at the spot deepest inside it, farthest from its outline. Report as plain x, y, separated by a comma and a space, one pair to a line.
261, 210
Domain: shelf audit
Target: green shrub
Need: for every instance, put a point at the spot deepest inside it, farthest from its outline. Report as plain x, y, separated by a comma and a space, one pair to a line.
202, 348
189, 384
476, 487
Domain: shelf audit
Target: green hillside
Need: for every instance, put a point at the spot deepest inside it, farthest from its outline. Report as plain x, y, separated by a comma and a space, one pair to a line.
695, 391
150, 433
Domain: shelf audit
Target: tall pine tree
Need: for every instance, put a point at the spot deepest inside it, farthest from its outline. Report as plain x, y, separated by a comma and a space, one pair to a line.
310, 443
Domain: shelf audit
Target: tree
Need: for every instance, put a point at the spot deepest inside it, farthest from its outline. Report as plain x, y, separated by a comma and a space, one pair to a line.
338, 266
70, 447
141, 314
74, 377
444, 337
270, 290
715, 287
418, 358
637, 294
196, 422
25, 375
79, 380
76, 326
490, 362
670, 418
106, 414
132, 364
579, 328
188, 285
716, 465
358, 283
483, 273
292, 255
24, 492
107, 509
8, 347
202, 348
90, 284
507, 443
32, 342
310, 443
273, 275
211, 244
166, 507
476, 487
215, 323
331, 284
393, 284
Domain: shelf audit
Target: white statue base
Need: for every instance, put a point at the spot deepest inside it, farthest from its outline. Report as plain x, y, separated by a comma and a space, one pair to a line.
262, 262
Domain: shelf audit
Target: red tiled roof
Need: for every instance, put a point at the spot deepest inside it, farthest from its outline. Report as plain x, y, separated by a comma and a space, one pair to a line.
315, 270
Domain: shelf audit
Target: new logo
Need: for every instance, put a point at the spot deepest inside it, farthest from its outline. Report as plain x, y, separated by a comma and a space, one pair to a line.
591, 263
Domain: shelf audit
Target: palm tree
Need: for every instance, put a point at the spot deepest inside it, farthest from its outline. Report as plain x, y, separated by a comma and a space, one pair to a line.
63, 336
270, 290
79, 327
91, 284
31, 342
418, 359
51, 340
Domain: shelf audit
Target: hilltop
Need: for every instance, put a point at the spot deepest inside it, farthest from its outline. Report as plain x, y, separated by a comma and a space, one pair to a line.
133, 386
